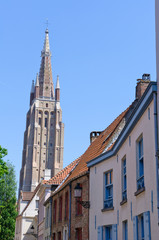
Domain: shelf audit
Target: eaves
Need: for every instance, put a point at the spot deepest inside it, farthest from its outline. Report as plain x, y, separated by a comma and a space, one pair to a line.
134, 118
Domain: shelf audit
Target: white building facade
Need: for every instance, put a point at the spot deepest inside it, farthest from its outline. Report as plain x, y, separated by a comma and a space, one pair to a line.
125, 204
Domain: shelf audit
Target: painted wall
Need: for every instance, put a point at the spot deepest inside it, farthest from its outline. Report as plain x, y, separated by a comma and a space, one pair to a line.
24, 222
140, 203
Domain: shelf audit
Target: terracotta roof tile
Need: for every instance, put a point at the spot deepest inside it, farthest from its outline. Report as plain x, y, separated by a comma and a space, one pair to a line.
60, 176
96, 148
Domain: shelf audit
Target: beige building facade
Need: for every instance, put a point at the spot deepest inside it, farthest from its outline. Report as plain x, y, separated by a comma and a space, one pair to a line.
125, 205
44, 134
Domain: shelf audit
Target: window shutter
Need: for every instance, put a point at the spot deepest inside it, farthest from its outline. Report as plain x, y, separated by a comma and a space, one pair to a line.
114, 232
135, 227
147, 228
100, 233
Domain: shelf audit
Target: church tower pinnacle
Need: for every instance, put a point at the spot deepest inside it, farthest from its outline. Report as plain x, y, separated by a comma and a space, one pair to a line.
44, 134
46, 89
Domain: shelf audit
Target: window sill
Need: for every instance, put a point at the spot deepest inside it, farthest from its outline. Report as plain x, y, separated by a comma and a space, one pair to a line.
123, 201
107, 209
139, 191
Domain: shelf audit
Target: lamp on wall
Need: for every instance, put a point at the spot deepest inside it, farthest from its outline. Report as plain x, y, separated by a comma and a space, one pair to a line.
78, 194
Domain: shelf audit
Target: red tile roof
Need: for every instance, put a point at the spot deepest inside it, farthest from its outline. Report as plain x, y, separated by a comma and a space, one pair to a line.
95, 149
60, 176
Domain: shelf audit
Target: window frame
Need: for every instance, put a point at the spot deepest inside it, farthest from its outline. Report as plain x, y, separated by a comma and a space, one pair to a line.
66, 205
108, 232
108, 189
124, 178
78, 205
60, 208
140, 162
125, 230
54, 211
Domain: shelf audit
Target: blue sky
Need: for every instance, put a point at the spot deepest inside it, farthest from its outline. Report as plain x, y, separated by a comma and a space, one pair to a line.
99, 49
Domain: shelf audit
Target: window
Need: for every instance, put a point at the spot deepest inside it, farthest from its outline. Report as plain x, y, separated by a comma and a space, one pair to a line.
108, 195
78, 233
60, 208
66, 205
46, 104
141, 226
149, 113
54, 236
39, 121
54, 211
124, 180
37, 204
125, 230
47, 218
45, 122
140, 164
108, 233
78, 205
59, 235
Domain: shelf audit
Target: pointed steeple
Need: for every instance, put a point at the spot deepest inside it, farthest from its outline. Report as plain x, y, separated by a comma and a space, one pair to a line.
46, 48
32, 92
37, 87
32, 87
57, 90
46, 89
57, 82
37, 81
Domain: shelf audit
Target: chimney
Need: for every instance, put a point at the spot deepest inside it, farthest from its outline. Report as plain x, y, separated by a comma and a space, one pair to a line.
94, 135
142, 84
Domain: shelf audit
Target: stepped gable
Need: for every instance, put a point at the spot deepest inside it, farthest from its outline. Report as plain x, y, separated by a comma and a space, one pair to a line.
60, 176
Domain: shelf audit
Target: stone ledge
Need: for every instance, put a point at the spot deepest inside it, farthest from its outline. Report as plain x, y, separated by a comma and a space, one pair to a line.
139, 191
107, 209
123, 201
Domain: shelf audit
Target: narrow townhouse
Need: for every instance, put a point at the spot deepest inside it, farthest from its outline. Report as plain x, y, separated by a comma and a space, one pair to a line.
124, 178
70, 202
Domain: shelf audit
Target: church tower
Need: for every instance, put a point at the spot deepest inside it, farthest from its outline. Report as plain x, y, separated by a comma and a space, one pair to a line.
44, 134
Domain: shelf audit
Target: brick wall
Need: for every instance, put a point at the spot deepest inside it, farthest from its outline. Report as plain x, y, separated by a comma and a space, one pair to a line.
77, 222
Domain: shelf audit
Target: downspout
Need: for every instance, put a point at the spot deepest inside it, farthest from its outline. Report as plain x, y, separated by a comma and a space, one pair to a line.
156, 149
51, 218
70, 211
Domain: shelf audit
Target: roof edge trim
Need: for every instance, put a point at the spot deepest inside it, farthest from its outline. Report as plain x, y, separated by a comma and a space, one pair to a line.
134, 118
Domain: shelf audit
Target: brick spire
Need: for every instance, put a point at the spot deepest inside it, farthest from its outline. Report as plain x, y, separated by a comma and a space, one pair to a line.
46, 88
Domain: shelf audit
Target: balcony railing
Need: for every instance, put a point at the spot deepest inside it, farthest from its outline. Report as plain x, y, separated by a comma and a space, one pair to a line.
140, 183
